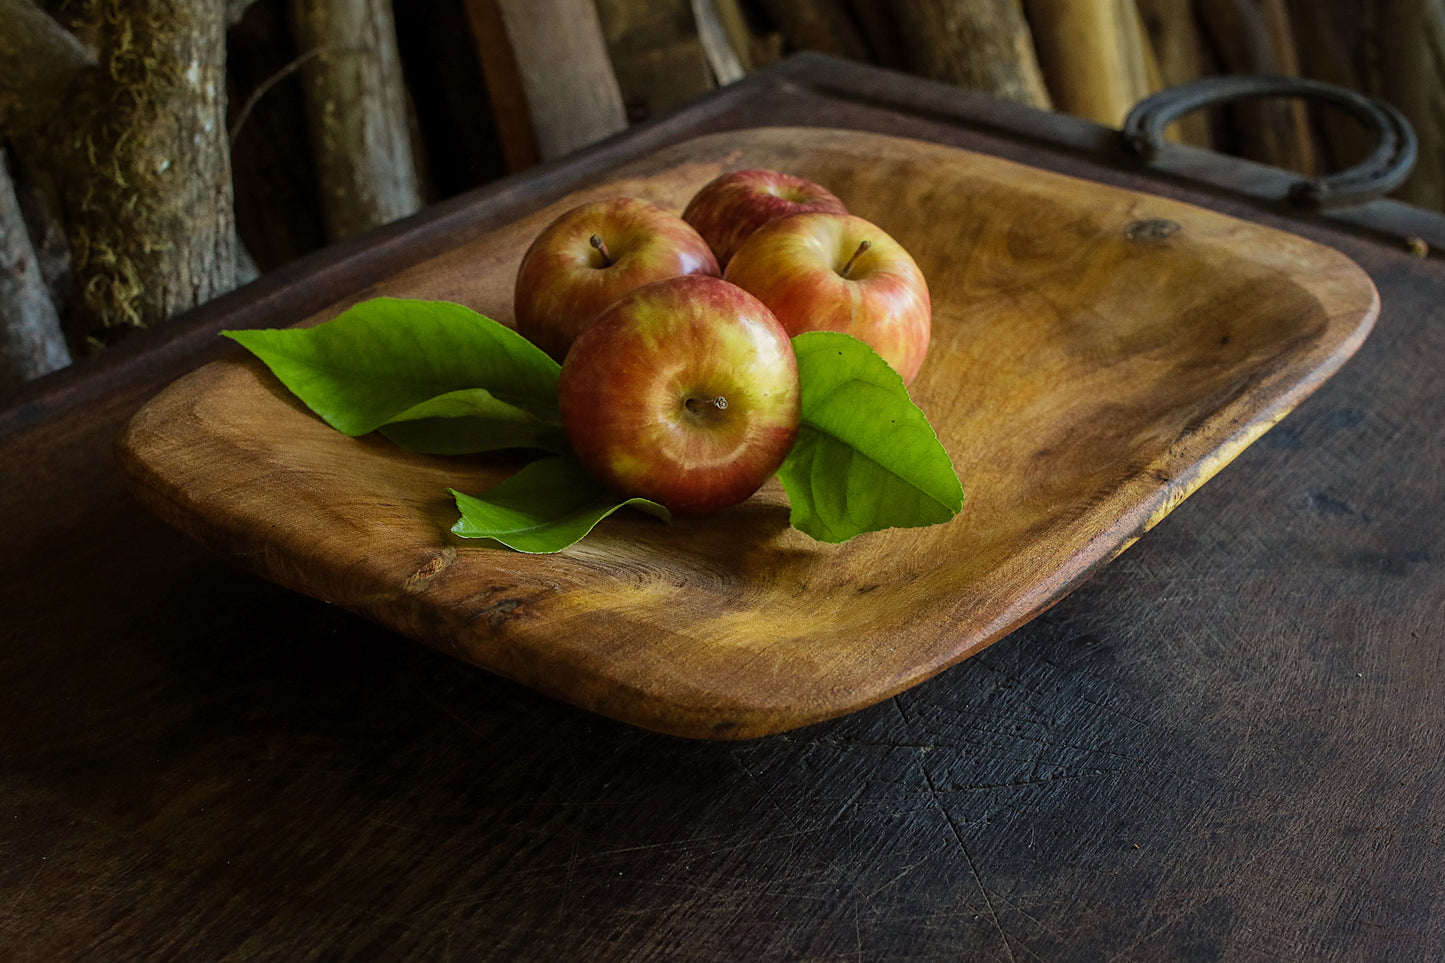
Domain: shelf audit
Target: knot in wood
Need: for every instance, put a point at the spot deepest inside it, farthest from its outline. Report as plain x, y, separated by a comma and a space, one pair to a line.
1151, 229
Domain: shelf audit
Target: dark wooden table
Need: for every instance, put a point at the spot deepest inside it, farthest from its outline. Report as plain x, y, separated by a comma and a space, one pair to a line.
1225, 745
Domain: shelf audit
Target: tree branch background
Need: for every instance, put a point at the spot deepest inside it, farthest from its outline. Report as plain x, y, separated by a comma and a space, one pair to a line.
155, 154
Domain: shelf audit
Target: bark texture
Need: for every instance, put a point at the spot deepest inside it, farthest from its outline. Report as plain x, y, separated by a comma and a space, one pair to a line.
141, 164
31, 343
982, 44
356, 104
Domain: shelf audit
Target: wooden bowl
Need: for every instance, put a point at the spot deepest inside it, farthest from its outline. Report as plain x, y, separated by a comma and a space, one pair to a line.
1097, 355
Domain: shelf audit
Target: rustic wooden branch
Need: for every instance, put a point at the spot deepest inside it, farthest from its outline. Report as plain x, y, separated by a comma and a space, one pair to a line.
657, 53
140, 162
982, 44
1137, 38
40, 207
356, 104
1174, 37
551, 56
717, 29
498, 61
1333, 40
733, 20
1413, 79
31, 343
1280, 31
1092, 56
40, 64
1273, 131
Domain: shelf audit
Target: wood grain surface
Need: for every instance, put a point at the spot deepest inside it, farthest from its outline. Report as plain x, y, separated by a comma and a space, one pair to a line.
1225, 745
1097, 354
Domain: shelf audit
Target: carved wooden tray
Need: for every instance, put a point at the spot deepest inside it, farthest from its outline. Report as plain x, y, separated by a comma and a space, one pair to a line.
1097, 355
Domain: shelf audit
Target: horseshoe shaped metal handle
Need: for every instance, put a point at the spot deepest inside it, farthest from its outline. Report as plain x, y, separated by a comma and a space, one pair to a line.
1387, 166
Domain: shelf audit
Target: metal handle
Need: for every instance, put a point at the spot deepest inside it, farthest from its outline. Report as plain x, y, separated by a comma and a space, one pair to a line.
1385, 169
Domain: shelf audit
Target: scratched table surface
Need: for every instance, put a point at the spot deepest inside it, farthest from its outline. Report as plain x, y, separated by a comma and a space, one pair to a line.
1225, 745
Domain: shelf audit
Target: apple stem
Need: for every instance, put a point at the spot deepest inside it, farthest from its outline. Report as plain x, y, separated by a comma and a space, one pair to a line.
699, 405
862, 246
597, 242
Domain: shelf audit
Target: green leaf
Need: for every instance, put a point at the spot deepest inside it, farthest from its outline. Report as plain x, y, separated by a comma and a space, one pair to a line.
866, 457
382, 358
472, 420
548, 505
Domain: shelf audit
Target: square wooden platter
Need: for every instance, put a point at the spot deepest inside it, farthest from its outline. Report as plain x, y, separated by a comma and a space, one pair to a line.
1097, 355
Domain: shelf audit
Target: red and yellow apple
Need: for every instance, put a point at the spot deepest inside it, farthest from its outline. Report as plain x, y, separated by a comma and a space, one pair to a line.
839, 272
731, 207
684, 391
594, 254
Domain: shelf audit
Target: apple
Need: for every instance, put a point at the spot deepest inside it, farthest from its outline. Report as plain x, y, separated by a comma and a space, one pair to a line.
594, 254
839, 272
730, 207
685, 392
